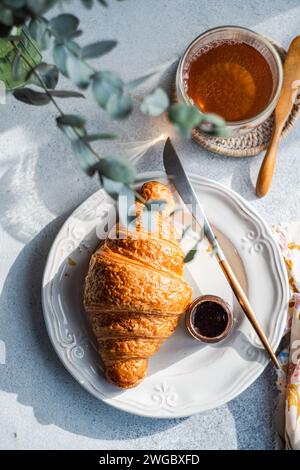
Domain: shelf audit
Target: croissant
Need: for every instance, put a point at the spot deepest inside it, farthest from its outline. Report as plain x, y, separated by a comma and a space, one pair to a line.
135, 292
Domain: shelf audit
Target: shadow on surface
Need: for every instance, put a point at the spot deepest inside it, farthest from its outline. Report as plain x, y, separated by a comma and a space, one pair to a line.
33, 371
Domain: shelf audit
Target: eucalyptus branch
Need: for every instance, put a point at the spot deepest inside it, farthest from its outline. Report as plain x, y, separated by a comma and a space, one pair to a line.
110, 92
48, 93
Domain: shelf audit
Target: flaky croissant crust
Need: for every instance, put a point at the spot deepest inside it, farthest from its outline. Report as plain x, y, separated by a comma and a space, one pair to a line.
135, 292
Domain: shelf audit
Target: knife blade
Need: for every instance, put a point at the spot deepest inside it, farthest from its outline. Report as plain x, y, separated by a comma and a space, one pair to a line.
179, 178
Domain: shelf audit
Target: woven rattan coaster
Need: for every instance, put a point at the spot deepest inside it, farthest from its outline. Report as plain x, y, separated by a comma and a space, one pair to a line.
251, 143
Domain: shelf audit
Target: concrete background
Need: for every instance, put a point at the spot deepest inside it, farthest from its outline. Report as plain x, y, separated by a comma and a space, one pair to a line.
41, 406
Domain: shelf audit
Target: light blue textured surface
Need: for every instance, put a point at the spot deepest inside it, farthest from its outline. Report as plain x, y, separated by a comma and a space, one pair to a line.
41, 406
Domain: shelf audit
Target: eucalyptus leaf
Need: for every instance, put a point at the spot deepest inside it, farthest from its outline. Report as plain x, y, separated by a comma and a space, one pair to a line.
29, 96
66, 94
105, 84
184, 117
64, 26
79, 72
97, 49
48, 74
39, 7
73, 133
62, 52
155, 103
60, 58
212, 124
119, 105
13, 38
73, 48
116, 169
85, 156
113, 188
16, 66
100, 136
74, 120
190, 255
16, 60
38, 30
76, 34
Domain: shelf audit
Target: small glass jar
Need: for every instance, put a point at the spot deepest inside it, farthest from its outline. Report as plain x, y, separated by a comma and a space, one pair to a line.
238, 34
213, 302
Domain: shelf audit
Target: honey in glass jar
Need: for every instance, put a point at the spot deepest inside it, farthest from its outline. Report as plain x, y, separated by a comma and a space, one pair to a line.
231, 79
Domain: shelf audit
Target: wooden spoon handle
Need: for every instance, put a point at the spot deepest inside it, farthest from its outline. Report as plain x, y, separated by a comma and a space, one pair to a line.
267, 168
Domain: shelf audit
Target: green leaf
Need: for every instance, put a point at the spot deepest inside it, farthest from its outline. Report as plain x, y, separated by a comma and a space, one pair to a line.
85, 156
212, 124
113, 188
64, 26
138, 81
38, 30
74, 120
119, 105
97, 49
16, 67
66, 94
116, 169
213, 119
79, 72
61, 54
190, 255
155, 103
13, 38
60, 58
100, 136
38, 7
104, 85
103, 3
76, 34
28, 96
47, 72
184, 117
73, 133
21, 68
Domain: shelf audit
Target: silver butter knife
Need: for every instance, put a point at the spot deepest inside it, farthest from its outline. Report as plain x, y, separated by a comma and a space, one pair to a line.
179, 178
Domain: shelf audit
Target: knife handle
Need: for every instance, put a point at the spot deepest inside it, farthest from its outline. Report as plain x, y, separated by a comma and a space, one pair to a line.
245, 304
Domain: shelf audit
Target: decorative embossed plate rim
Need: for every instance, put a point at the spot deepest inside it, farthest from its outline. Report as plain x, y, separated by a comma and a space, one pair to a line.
163, 394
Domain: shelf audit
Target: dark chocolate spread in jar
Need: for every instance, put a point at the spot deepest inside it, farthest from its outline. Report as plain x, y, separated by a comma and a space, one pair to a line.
209, 319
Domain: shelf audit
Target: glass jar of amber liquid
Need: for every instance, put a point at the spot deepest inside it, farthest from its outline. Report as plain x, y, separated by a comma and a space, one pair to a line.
233, 72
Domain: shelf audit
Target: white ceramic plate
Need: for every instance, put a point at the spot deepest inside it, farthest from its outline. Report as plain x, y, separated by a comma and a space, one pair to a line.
185, 377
